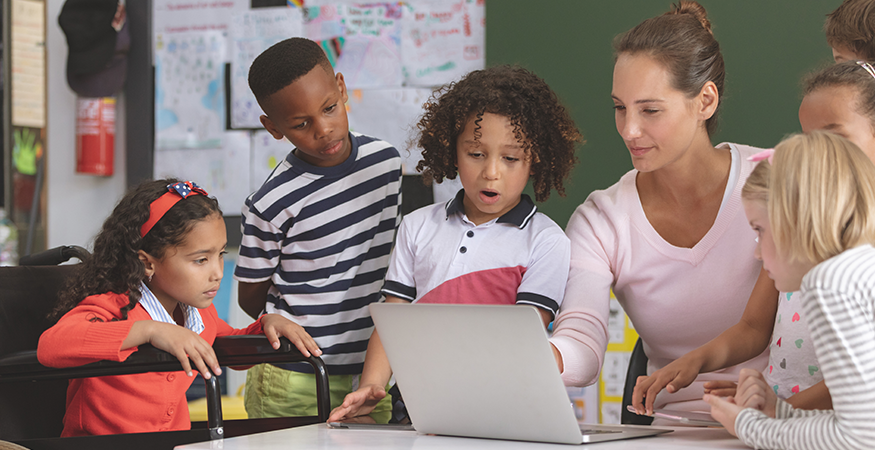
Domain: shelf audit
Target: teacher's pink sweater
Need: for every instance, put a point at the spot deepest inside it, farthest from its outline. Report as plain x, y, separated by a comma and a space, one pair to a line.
677, 298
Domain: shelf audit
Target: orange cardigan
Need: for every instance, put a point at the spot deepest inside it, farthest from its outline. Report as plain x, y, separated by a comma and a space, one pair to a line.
125, 403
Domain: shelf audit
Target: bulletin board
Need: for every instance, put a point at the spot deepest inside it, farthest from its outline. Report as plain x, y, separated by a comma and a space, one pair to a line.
206, 120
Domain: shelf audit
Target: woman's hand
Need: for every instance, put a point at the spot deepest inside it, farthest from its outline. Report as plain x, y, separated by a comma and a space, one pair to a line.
275, 325
753, 392
673, 377
358, 403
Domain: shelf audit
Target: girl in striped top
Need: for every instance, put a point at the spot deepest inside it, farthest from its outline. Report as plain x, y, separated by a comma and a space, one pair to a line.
815, 225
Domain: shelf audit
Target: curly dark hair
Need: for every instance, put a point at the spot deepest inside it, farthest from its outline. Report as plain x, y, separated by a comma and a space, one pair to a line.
539, 121
283, 63
115, 265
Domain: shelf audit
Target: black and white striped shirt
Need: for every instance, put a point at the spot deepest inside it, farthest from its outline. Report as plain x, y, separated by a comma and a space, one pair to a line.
323, 236
838, 300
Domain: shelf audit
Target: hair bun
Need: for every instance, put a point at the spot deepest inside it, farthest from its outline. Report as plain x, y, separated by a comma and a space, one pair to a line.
694, 9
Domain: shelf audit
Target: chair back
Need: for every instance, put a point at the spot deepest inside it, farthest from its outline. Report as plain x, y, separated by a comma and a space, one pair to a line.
637, 367
27, 295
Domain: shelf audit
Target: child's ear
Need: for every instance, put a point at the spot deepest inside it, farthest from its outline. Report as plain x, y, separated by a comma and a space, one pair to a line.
342, 86
709, 99
148, 262
271, 127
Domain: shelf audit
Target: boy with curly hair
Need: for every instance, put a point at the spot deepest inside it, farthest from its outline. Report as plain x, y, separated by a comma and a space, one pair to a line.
495, 129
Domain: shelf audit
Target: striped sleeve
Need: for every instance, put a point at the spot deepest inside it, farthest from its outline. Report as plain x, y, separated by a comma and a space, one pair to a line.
260, 247
837, 300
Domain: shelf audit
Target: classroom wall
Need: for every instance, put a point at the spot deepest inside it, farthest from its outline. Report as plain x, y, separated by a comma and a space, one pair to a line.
76, 204
767, 46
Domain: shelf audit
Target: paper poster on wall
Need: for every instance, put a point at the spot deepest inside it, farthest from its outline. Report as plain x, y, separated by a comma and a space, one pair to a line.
187, 16
223, 172
190, 91
251, 33
28, 64
391, 115
322, 23
371, 53
267, 152
442, 41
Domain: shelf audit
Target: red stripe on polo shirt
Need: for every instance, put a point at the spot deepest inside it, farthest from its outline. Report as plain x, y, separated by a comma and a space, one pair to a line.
484, 287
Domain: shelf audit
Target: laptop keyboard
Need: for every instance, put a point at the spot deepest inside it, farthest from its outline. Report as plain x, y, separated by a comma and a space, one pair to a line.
590, 431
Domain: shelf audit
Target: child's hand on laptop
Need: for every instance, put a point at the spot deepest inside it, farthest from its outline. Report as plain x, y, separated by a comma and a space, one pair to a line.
358, 403
724, 410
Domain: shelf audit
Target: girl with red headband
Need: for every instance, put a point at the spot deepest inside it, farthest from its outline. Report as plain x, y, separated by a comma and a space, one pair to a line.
156, 267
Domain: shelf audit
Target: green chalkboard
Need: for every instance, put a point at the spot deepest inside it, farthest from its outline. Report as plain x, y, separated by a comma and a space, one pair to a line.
768, 45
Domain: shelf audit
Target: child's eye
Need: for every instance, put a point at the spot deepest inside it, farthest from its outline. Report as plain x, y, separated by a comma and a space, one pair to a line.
511, 159
619, 108
300, 126
223, 253
759, 232
651, 111
331, 108
200, 261
475, 154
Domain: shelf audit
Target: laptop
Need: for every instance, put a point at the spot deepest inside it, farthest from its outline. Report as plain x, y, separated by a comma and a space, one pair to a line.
483, 371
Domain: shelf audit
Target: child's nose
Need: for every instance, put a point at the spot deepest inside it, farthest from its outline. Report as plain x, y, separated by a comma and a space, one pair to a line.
218, 270
492, 170
322, 128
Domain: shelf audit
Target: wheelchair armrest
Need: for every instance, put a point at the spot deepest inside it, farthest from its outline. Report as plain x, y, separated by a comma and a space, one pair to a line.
24, 366
230, 351
256, 349
55, 256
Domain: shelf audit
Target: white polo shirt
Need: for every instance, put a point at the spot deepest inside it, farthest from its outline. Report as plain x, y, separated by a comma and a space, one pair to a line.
442, 257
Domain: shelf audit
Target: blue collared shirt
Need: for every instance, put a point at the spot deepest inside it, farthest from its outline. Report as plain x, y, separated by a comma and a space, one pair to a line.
152, 306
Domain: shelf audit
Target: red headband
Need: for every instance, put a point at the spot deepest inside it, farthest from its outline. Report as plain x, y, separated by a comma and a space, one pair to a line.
159, 207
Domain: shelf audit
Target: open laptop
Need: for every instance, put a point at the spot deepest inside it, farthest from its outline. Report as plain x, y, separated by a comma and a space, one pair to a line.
483, 371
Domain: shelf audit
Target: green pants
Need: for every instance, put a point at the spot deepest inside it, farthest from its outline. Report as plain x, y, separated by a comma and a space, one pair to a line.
274, 392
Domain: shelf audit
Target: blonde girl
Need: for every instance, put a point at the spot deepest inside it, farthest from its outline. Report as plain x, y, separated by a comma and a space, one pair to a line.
814, 233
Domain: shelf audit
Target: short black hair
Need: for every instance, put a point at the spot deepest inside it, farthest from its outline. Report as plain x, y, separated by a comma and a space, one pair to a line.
283, 63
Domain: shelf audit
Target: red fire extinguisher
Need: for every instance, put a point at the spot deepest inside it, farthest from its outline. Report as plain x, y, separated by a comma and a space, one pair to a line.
95, 135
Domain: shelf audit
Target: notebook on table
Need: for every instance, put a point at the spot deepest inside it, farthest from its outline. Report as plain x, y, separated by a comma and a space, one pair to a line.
483, 371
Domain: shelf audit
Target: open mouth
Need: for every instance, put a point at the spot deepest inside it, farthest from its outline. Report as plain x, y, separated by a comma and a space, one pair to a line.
489, 197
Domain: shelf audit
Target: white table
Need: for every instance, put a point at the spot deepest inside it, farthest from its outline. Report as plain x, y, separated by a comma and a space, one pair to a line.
321, 437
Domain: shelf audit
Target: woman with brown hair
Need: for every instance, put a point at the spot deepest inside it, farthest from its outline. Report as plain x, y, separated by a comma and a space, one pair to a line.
670, 238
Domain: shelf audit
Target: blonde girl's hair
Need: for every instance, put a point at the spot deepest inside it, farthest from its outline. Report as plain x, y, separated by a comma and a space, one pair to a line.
821, 197
757, 185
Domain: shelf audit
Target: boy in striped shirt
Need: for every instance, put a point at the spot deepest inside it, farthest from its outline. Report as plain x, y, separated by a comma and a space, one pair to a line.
318, 233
